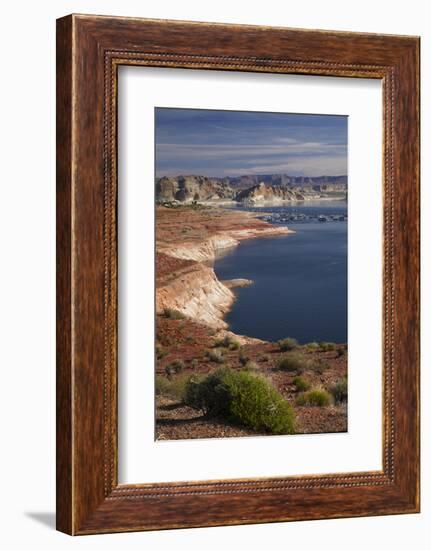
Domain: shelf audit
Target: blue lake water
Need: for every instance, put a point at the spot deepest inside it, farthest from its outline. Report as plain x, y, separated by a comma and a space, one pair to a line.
300, 280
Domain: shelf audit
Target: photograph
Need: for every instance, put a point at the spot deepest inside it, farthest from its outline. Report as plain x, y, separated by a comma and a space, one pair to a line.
251, 216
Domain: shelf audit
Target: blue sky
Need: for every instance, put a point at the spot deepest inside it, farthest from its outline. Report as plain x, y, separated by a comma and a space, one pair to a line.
233, 143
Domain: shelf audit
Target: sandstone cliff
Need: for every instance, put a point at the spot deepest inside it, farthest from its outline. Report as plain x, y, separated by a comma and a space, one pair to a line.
273, 188
198, 294
263, 193
208, 249
183, 281
279, 194
192, 188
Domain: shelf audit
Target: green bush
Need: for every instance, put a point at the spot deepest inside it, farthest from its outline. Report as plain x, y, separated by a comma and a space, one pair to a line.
179, 386
219, 343
319, 366
341, 351
294, 362
161, 351
165, 340
216, 356
243, 398
175, 367
176, 388
288, 344
314, 398
170, 313
327, 346
162, 385
228, 342
243, 359
339, 390
313, 346
251, 366
234, 345
301, 384
210, 393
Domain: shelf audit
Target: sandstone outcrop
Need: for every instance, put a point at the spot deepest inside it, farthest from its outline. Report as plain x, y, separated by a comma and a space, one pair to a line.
198, 294
187, 189
184, 280
262, 193
207, 250
237, 283
270, 188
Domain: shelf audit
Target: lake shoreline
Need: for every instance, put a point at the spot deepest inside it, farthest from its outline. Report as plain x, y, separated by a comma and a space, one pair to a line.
200, 294
194, 339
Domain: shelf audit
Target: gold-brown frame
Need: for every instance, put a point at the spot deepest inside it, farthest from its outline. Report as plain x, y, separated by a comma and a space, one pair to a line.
89, 51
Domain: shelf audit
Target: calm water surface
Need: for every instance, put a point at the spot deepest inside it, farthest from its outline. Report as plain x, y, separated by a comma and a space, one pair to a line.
300, 280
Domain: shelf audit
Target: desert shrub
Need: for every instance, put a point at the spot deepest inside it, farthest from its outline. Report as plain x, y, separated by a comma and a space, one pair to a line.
327, 346
216, 356
179, 386
243, 398
243, 359
228, 342
251, 366
301, 384
339, 390
314, 398
165, 340
234, 345
210, 394
170, 313
175, 367
287, 344
258, 405
294, 362
176, 388
162, 385
313, 346
319, 366
341, 351
161, 351
264, 358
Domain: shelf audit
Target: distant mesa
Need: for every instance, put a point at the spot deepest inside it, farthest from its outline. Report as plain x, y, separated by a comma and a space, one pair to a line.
250, 189
192, 188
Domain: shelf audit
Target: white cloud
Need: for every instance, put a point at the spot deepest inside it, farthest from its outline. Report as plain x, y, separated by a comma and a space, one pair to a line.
308, 166
178, 150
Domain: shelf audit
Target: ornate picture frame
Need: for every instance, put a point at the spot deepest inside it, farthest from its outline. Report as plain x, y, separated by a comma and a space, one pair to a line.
89, 51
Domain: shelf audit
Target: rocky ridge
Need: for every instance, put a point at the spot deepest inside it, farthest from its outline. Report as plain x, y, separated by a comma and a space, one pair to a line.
249, 189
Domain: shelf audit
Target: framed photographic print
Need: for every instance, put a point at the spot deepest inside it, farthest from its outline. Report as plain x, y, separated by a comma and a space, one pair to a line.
237, 274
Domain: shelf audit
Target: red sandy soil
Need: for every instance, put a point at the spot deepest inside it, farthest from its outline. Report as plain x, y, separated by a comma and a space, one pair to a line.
185, 224
166, 266
177, 421
188, 341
